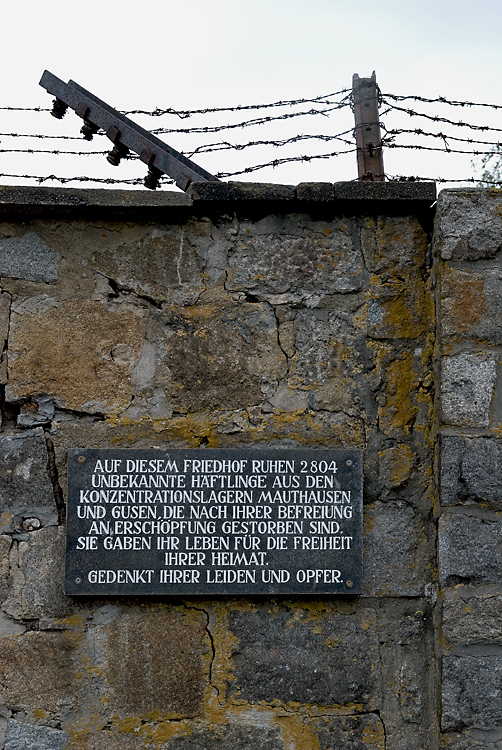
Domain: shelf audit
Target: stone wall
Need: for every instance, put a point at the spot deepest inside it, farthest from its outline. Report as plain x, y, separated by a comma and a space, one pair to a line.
468, 239
270, 316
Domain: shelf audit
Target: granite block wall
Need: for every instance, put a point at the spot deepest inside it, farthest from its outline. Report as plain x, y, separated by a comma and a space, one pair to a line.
253, 315
468, 241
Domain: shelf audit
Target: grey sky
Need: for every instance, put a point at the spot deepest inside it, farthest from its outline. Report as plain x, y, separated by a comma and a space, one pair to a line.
224, 52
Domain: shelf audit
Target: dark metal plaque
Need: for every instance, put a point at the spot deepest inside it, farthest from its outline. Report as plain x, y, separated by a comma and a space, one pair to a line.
211, 522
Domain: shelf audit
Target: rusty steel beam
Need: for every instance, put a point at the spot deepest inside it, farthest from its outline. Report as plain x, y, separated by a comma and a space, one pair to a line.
125, 135
367, 130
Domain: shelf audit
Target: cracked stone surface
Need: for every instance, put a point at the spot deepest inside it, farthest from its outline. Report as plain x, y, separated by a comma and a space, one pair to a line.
279, 330
25, 488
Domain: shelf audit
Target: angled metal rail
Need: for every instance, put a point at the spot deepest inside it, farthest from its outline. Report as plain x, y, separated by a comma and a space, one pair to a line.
125, 135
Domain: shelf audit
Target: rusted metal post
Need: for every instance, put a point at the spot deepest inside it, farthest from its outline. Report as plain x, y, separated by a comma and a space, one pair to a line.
368, 138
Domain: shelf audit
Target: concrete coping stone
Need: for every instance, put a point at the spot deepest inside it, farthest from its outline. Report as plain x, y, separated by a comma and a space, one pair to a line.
142, 204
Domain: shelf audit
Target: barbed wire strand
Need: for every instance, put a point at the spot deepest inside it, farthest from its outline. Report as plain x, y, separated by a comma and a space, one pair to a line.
441, 100
325, 99
63, 180
418, 131
436, 118
287, 160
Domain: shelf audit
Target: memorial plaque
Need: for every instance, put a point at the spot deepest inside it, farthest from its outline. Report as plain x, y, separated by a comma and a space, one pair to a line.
212, 522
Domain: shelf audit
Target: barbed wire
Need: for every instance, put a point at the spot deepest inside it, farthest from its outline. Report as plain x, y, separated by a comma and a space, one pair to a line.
287, 160
83, 178
407, 178
436, 118
445, 149
441, 100
418, 131
225, 146
184, 114
251, 123
57, 152
42, 135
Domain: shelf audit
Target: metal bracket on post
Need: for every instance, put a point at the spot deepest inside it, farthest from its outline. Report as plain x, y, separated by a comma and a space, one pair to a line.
368, 137
125, 135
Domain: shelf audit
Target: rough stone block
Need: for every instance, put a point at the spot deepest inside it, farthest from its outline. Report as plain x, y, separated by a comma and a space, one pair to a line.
330, 661
354, 732
37, 577
5, 546
209, 191
36, 671
226, 737
83, 353
155, 662
480, 739
252, 191
25, 488
324, 360
468, 224
467, 384
396, 551
471, 304
469, 550
468, 473
24, 736
284, 265
320, 192
470, 617
472, 692
28, 257
222, 360
173, 273
5, 300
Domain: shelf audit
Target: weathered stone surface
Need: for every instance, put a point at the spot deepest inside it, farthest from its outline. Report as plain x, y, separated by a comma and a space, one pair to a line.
5, 547
323, 363
467, 383
472, 692
247, 737
82, 353
38, 411
469, 550
25, 488
104, 739
275, 264
396, 551
470, 617
468, 224
173, 272
470, 471
37, 577
36, 671
222, 359
315, 191
28, 257
396, 465
24, 736
252, 191
154, 662
209, 191
5, 300
9, 626
471, 304
481, 739
280, 657
354, 732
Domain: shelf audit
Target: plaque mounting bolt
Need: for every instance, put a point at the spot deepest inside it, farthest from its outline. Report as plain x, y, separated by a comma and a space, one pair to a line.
349, 462
81, 459
78, 579
349, 584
